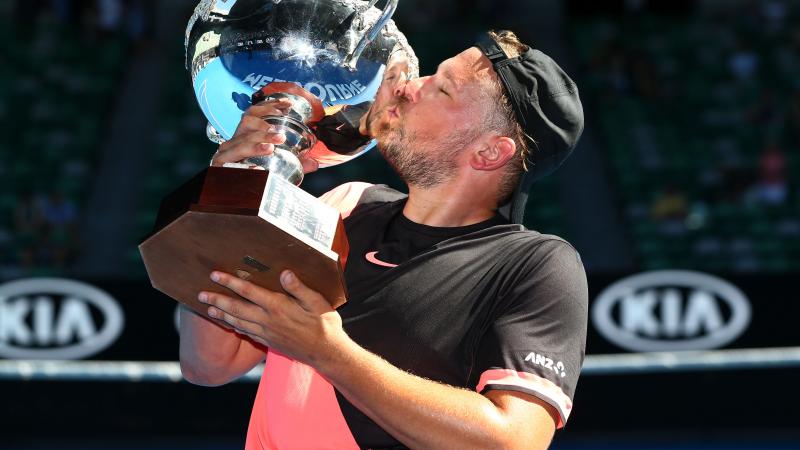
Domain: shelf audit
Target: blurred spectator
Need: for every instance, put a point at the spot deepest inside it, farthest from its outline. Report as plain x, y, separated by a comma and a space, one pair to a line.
27, 11
137, 19
793, 119
67, 12
771, 188
669, 205
643, 74
60, 219
765, 113
698, 215
787, 56
109, 16
63, 10
617, 73
28, 226
774, 13
734, 183
59, 212
743, 62
669, 211
635, 6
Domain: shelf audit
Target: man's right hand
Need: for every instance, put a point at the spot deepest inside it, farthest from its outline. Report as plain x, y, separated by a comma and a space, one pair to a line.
255, 137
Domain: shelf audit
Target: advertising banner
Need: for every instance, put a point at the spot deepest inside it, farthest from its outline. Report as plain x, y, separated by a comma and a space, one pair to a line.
51, 318
57, 318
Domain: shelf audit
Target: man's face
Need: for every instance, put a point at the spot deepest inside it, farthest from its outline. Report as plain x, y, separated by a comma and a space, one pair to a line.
423, 125
394, 77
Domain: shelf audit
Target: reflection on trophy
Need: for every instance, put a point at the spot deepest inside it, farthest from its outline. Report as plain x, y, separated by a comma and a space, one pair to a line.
327, 57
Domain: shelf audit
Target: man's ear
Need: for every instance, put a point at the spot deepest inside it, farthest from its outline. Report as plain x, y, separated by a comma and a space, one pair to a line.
493, 154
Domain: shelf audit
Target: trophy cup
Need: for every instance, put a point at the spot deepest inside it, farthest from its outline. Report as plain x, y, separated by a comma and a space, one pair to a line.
327, 57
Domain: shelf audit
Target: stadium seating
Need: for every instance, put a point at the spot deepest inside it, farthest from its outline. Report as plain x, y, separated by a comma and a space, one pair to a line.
56, 91
677, 109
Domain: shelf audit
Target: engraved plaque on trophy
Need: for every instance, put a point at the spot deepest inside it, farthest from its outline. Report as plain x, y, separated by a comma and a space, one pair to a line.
250, 223
250, 219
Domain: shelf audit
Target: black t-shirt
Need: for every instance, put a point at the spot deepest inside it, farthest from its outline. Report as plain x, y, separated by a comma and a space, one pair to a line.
486, 306
399, 241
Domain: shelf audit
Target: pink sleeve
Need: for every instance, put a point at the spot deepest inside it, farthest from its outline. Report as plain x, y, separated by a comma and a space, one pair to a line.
345, 197
529, 383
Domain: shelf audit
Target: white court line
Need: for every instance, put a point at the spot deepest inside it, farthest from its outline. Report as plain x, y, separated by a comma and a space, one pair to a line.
612, 364
687, 361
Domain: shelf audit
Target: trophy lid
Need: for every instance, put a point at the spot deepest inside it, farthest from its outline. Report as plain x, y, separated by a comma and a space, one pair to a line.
335, 49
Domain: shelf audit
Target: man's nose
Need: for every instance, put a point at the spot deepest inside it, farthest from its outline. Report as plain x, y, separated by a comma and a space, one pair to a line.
400, 84
408, 88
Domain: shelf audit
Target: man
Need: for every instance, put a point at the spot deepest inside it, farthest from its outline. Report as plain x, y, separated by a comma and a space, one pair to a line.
461, 330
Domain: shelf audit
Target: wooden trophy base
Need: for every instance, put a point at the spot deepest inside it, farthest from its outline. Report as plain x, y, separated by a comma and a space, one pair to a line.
247, 223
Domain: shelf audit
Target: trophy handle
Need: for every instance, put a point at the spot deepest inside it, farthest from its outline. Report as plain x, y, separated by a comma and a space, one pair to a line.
372, 33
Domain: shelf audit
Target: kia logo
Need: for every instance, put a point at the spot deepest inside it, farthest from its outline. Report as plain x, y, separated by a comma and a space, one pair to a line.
53, 318
671, 310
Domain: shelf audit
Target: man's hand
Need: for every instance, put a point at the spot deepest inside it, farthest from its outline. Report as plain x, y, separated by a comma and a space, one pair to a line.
255, 137
299, 323
418, 412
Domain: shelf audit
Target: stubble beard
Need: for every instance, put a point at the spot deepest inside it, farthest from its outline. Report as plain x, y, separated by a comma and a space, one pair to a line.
418, 161
417, 165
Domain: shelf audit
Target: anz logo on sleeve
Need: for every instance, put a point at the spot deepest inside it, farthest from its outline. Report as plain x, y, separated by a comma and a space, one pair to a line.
538, 359
671, 310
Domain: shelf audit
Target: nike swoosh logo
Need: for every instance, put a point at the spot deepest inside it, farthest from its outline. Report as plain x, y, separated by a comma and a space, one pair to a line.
371, 258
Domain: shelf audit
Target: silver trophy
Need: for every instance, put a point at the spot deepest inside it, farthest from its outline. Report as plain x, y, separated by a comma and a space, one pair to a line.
328, 53
328, 57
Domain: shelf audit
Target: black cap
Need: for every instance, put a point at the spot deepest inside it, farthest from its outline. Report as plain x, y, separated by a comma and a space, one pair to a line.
547, 106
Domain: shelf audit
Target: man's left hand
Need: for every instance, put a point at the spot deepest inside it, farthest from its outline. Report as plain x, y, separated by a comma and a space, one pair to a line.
299, 323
